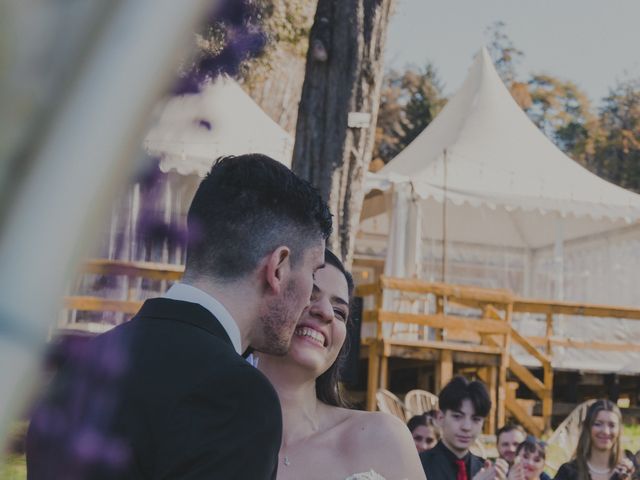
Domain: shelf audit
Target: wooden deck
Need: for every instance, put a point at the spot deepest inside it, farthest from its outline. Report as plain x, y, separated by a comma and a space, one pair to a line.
482, 326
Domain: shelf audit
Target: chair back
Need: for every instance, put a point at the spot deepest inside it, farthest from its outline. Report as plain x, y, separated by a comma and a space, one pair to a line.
564, 439
389, 403
420, 401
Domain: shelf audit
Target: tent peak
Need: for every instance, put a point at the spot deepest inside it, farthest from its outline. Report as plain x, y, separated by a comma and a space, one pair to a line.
496, 156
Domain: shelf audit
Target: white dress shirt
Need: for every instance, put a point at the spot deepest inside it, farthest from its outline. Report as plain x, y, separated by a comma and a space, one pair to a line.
188, 293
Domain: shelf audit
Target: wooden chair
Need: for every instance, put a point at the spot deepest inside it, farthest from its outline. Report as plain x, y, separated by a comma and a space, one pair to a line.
420, 401
389, 403
564, 439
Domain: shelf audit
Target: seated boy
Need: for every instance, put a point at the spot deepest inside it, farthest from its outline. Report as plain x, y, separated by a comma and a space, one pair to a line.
463, 408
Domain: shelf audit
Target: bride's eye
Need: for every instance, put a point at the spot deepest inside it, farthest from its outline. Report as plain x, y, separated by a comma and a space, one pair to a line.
340, 314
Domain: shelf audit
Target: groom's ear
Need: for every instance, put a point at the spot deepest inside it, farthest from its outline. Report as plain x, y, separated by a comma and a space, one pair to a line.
277, 267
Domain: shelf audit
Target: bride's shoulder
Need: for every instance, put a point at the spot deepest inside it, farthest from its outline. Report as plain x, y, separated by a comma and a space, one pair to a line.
381, 442
372, 426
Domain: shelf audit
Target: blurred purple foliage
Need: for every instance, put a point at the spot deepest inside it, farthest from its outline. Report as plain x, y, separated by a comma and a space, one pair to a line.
237, 23
75, 417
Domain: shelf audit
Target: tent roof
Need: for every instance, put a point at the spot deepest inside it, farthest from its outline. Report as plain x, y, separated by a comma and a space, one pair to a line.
193, 130
496, 157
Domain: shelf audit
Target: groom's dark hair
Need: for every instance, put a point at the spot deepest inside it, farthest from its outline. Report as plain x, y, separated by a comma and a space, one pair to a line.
245, 208
327, 386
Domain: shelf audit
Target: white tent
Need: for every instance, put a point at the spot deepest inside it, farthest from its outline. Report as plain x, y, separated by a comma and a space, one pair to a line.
495, 203
193, 130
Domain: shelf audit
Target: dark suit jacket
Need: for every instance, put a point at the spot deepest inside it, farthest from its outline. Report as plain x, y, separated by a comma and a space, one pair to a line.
439, 463
567, 471
163, 396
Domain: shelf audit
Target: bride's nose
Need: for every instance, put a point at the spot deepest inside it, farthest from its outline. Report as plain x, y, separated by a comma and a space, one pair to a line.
322, 309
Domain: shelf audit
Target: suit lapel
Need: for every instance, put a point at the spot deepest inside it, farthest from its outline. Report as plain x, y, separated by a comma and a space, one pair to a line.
447, 470
475, 465
444, 465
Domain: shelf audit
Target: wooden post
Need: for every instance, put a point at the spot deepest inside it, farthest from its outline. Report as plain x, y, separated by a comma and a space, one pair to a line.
549, 333
378, 307
547, 401
489, 376
439, 310
502, 374
374, 372
444, 370
384, 365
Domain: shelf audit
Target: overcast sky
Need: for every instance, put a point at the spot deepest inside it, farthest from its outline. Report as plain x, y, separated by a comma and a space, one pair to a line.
591, 42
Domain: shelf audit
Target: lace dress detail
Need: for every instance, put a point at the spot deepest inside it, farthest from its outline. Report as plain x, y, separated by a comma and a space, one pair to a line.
370, 475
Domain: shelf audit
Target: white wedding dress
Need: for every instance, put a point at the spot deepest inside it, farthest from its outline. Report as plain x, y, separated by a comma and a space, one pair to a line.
370, 475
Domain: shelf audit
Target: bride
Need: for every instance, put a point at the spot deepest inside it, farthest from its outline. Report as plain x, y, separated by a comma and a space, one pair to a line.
321, 439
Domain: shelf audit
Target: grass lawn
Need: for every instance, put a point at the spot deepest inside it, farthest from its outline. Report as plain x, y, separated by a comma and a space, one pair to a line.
631, 437
13, 468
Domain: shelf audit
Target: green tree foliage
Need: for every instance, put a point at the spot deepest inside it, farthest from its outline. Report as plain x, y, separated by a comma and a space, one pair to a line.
617, 155
558, 107
284, 24
503, 52
409, 102
563, 112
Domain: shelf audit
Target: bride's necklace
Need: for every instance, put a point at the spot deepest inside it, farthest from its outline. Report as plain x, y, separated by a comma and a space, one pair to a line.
597, 471
286, 461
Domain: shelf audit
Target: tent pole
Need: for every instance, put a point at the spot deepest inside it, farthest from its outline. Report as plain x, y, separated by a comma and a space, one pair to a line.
444, 220
558, 259
527, 286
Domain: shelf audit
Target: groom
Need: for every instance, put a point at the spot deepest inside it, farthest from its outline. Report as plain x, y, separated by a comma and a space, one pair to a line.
168, 394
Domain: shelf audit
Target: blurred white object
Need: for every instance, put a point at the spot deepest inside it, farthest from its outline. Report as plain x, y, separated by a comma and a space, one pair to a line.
193, 130
83, 153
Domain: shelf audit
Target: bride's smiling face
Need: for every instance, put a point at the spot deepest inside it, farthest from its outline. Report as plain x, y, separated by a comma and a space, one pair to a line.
322, 328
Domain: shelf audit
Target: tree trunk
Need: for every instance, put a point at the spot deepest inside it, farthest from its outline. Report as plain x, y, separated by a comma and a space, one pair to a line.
343, 74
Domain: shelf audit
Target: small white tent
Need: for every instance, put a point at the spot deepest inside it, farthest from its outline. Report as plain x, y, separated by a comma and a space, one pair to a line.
482, 192
189, 133
193, 130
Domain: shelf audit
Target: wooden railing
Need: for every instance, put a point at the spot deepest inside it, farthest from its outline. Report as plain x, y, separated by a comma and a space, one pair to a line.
487, 332
126, 306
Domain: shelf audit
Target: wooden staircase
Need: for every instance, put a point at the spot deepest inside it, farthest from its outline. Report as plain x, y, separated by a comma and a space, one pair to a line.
487, 336
522, 409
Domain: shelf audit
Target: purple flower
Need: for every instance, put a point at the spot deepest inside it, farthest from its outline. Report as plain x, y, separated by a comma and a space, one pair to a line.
244, 39
206, 124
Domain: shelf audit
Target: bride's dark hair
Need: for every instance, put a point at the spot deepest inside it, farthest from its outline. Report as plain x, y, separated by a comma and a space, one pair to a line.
327, 388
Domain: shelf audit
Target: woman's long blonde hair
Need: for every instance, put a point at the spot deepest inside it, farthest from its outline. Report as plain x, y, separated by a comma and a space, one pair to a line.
583, 450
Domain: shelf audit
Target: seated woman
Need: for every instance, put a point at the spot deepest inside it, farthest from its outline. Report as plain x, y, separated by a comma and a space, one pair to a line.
321, 439
424, 431
599, 455
529, 461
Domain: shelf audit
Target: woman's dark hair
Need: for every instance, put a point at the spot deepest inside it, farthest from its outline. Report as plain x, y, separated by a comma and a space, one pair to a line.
327, 387
459, 389
583, 449
532, 445
423, 420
